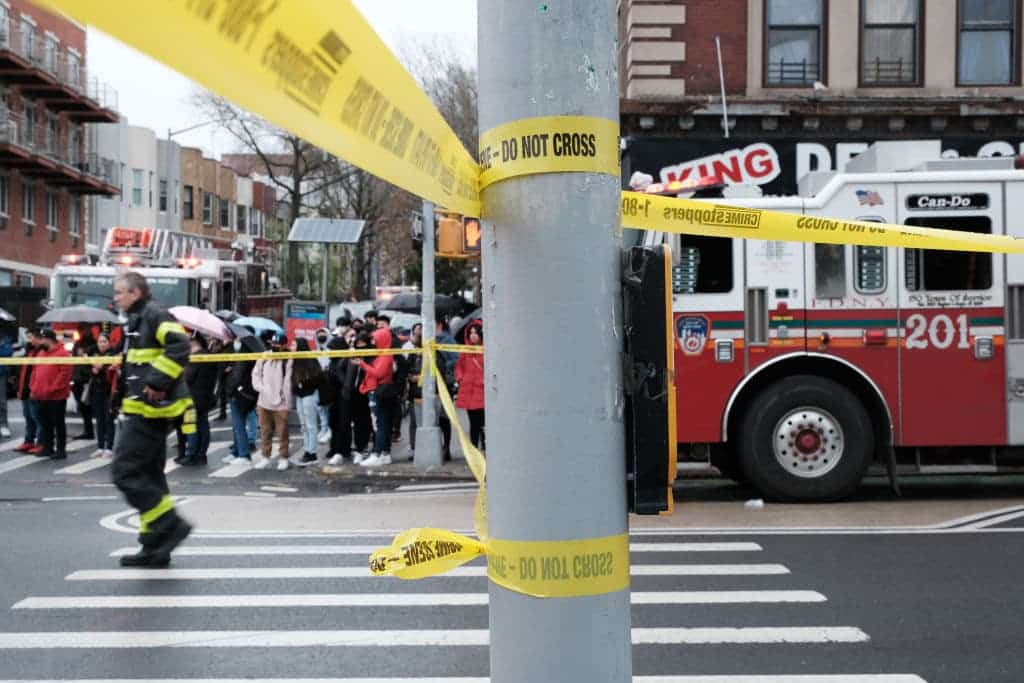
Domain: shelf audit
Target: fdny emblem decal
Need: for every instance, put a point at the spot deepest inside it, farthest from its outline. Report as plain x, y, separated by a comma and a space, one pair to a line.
693, 331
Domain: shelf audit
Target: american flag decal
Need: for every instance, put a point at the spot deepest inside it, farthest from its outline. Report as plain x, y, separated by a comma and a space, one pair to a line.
869, 198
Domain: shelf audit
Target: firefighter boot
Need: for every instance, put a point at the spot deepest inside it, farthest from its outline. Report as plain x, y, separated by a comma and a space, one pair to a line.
159, 541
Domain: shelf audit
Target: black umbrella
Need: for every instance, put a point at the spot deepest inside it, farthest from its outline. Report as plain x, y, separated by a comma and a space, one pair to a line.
78, 314
412, 302
458, 330
6, 316
226, 316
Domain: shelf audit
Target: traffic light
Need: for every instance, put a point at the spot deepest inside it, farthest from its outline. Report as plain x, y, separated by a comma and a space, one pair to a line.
650, 417
450, 237
471, 235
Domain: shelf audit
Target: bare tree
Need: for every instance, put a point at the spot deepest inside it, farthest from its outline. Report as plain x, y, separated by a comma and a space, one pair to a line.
295, 167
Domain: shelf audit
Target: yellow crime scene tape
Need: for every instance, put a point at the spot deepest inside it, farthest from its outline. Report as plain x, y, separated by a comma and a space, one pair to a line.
318, 70
312, 67
549, 144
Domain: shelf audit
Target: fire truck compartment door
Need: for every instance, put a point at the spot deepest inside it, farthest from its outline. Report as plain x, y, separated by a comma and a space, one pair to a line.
774, 301
950, 393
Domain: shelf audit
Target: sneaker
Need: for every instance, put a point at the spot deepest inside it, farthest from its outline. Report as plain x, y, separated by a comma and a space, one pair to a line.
107, 453
35, 450
336, 459
372, 460
385, 458
99, 453
307, 460
260, 463
194, 461
324, 436
228, 459
24, 447
282, 464
5, 431
358, 457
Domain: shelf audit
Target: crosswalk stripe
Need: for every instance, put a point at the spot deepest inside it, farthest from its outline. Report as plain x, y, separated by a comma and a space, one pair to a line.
8, 445
798, 678
364, 572
422, 638
170, 466
232, 470
216, 550
16, 463
85, 466
389, 600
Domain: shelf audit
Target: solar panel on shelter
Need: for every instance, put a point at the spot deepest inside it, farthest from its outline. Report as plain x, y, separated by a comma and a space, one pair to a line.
326, 230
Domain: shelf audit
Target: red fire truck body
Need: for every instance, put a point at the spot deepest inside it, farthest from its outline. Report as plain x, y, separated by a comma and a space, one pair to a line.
799, 365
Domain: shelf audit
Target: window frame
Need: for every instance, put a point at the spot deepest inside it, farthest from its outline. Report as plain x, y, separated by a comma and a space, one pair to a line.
241, 212
138, 177
1015, 46
74, 216
207, 208
5, 195
28, 191
187, 206
919, 35
163, 196
766, 29
224, 213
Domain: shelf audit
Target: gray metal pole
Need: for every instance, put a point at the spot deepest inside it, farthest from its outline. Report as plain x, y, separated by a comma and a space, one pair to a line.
428, 434
551, 253
323, 275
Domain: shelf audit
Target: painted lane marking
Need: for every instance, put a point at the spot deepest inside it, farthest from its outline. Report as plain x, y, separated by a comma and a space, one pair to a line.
238, 550
85, 466
390, 600
235, 573
19, 462
407, 638
56, 499
796, 678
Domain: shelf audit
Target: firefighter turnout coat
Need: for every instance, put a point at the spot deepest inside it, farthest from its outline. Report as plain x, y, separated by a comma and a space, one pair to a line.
156, 353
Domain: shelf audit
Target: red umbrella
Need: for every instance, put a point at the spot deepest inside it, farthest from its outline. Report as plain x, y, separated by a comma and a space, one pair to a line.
202, 321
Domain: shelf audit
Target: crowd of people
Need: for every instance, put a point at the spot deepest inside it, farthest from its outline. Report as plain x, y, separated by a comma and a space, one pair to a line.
350, 410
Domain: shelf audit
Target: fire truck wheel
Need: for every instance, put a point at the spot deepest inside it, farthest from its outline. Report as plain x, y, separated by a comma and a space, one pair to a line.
805, 438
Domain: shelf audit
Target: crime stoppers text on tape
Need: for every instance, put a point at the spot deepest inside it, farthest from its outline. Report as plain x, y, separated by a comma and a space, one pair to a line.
314, 68
549, 144
692, 217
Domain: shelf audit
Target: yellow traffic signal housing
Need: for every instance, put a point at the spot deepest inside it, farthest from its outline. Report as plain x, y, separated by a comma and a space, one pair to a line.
471, 235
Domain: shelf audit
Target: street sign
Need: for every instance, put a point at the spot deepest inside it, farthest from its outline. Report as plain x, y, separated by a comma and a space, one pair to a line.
304, 318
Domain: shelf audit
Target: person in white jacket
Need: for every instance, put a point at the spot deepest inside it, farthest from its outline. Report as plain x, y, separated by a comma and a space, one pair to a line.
273, 380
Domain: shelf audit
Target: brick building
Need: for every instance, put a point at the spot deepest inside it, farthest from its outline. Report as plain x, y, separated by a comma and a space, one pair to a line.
47, 169
810, 83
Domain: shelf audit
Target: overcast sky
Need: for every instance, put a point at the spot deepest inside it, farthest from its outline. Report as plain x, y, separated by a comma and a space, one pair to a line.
152, 95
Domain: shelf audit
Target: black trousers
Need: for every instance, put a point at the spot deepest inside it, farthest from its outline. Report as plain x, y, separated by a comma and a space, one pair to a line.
139, 459
85, 410
55, 435
362, 425
476, 428
339, 415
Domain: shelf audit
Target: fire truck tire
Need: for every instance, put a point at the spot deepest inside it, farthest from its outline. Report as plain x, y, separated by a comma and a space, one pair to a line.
805, 438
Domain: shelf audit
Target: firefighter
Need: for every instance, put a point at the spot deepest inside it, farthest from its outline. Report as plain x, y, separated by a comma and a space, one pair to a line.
154, 398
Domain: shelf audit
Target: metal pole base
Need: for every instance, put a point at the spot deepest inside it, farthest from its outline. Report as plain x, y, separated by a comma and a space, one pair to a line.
428, 449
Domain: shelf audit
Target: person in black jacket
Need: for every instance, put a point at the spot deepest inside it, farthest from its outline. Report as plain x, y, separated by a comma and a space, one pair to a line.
81, 375
242, 399
202, 382
101, 388
341, 374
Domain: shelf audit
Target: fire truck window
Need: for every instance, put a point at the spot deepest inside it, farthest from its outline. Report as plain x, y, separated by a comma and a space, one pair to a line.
704, 265
936, 270
829, 271
870, 269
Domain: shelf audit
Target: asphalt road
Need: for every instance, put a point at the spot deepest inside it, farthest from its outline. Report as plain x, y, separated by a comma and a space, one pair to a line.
871, 606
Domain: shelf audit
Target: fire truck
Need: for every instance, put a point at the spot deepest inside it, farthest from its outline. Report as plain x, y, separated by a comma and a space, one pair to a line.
799, 366
181, 269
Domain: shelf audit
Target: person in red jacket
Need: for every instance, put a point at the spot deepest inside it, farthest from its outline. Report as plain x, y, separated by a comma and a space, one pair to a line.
50, 387
469, 373
378, 384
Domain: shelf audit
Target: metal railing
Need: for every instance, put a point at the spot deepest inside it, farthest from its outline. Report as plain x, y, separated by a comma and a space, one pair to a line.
801, 72
899, 71
39, 139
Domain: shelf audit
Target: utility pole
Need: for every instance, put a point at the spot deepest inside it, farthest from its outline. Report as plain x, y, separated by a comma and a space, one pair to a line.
428, 434
551, 250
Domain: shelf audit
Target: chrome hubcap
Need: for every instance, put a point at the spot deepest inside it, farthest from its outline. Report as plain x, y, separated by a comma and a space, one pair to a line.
808, 442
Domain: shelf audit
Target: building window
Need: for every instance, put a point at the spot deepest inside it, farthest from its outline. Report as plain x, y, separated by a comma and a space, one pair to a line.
28, 37
28, 205
207, 208
137, 180
5, 195
187, 203
240, 221
225, 214
149, 187
890, 42
74, 217
163, 196
794, 42
177, 194
22, 280
988, 42
52, 206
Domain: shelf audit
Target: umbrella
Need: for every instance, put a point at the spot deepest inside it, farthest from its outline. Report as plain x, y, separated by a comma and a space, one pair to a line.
459, 328
226, 316
6, 316
412, 302
240, 332
201, 321
257, 323
78, 314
